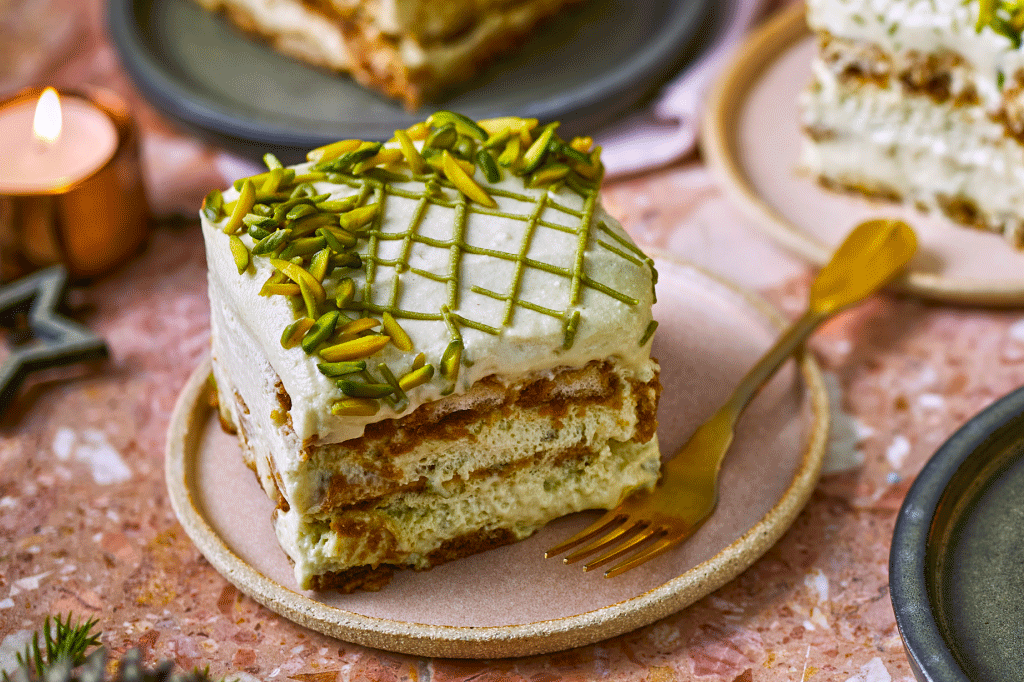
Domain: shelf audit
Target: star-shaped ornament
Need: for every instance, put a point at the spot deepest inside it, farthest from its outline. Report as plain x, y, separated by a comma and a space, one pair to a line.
52, 339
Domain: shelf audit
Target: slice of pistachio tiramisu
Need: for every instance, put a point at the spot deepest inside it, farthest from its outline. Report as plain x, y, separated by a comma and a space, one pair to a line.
431, 346
410, 50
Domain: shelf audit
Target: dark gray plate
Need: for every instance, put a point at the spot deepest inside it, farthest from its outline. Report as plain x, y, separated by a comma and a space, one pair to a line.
585, 68
957, 560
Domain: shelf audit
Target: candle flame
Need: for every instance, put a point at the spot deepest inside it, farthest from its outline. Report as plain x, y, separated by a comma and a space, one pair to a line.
46, 124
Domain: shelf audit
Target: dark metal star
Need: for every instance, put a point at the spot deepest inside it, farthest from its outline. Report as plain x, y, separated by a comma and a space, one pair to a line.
60, 341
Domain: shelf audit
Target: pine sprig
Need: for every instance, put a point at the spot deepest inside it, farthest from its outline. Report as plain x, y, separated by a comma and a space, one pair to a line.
62, 657
64, 641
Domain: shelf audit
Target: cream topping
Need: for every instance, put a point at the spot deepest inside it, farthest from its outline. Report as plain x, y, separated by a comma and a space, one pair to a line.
614, 290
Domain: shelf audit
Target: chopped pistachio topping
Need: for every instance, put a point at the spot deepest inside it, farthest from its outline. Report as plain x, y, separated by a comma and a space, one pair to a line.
394, 330
338, 369
356, 349
246, 198
239, 252
416, 377
355, 407
309, 236
294, 332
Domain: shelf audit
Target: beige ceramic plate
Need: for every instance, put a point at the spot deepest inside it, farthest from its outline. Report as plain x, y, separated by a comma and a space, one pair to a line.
511, 601
751, 139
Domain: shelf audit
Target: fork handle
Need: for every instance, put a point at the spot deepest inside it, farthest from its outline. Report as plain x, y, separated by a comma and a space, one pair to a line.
755, 379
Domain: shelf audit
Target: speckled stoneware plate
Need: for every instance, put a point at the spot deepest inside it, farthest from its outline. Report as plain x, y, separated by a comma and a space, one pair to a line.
751, 139
957, 579
511, 601
585, 68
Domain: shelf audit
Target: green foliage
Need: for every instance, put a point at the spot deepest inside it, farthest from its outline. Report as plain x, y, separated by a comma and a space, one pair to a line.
62, 657
63, 641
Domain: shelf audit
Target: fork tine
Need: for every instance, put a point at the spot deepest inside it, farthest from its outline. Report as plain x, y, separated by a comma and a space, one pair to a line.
626, 529
648, 553
602, 524
615, 552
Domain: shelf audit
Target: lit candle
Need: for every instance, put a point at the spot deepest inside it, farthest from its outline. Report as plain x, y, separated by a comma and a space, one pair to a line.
63, 141
70, 189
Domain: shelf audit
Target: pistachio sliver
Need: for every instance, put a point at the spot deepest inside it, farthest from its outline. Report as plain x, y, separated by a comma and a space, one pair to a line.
355, 407
239, 252
272, 182
338, 369
300, 277
418, 131
451, 360
256, 180
271, 243
337, 239
412, 155
245, 201
309, 298
361, 325
358, 217
356, 389
320, 331
212, 204
509, 157
339, 205
463, 124
398, 335
303, 247
498, 139
443, 137
294, 332
356, 349
333, 150
320, 265
535, 154
299, 211
488, 166
272, 161
548, 174
280, 289
416, 377
419, 361
345, 291
311, 223
464, 183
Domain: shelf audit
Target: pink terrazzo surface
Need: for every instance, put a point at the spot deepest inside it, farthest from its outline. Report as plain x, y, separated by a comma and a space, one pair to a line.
85, 523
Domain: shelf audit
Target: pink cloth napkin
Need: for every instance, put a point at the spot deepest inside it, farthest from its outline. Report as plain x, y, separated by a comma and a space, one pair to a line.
668, 129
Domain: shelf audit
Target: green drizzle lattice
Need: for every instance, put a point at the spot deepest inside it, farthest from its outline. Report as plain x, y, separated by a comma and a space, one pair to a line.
311, 239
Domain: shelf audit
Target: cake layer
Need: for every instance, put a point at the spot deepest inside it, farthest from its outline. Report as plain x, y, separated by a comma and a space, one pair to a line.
931, 27
886, 142
406, 49
488, 428
416, 529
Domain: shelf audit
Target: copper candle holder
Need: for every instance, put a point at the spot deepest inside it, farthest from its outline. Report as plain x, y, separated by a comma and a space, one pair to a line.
90, 224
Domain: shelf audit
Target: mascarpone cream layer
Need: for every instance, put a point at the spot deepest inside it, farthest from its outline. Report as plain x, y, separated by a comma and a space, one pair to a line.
531, 342
927, 26
885, 141
406, 527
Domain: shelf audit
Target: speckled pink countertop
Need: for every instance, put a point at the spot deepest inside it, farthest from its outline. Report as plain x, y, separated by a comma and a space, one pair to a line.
86, 526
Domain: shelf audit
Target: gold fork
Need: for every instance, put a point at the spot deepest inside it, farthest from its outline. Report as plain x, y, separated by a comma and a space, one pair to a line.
648, 523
